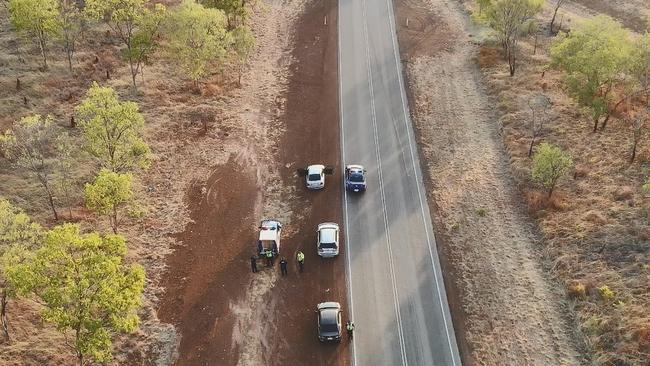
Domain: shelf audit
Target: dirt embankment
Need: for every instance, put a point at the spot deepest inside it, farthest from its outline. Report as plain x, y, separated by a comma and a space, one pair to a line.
596, 225
513, 314
634, 14
227, 315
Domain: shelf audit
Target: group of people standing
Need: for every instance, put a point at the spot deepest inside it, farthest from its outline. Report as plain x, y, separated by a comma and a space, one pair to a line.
269, 256
300, 258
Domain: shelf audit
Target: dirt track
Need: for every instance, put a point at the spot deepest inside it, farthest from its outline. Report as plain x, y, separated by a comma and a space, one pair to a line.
226, 315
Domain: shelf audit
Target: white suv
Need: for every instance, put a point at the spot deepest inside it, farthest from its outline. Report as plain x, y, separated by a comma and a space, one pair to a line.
327, 243
315, 176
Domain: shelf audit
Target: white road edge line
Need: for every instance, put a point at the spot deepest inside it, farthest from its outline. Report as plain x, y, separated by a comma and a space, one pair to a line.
381, 190
348, 253
415, 171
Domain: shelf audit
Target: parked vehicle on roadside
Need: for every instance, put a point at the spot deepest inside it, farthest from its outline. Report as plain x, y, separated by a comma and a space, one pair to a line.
315, 175
327, 243
355, 178
269, 238
329, 321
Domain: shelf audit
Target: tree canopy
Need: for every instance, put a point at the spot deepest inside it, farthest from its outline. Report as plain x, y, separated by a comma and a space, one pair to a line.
108, 193
550, 163
135, 22
198, 38
70, 20
37, 19
85, 287
237, 11
510, 19
112, 130
594, 55
243, 45
18, 234
27, 146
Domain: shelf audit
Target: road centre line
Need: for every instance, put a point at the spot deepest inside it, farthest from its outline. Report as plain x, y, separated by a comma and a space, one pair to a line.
391, 21
381, 189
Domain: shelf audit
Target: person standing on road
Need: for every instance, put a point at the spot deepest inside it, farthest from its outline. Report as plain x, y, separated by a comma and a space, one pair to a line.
283, 266
301, 260
254, 263
349, 326
269, 258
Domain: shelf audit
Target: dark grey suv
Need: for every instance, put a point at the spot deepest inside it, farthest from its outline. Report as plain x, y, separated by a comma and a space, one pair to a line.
329, 322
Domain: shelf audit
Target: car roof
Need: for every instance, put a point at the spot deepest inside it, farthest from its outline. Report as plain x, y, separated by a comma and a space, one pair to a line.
315, 169
329, 315
327, 232
269, 229
328, 312
268, 235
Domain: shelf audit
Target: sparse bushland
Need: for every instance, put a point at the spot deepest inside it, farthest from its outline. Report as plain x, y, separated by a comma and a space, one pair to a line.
556, 8
112, 130
595, 57
71, 22
550, 163
596, 224
37, 19
18, 234
510, 20
108, 193
237, 11
27, 146
171, 109
198, 38
84, 287
136, 24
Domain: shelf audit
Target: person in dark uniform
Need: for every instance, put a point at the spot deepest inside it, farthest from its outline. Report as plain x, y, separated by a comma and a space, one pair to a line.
254, 263
283, 266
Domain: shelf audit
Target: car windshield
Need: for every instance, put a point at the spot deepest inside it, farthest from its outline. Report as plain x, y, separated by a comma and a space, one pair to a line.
329, 328
328, 245
313, 177
356, 178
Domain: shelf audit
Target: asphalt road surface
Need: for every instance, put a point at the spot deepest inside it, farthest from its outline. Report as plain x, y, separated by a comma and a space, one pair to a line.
397, 295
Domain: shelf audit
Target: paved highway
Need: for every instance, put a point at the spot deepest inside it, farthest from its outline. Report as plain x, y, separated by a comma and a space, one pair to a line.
397, 296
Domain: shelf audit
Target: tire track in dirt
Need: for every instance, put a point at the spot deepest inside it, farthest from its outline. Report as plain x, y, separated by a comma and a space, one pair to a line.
288, 112
312, 136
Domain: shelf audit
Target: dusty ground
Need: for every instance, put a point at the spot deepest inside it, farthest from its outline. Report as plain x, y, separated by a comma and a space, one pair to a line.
225, 314
204, 193
513, 313
595, 228
634, 14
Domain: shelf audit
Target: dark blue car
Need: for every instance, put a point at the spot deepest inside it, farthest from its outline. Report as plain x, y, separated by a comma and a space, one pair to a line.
355, 178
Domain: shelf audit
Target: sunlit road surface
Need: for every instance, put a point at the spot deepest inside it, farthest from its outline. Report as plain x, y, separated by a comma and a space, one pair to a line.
397, 296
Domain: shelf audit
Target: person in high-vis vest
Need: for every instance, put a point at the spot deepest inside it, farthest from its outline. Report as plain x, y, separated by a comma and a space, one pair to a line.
349, 326
301, 260
269, 258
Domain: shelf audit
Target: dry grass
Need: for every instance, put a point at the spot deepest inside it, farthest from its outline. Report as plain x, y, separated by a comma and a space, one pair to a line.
182, 153
595, 226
